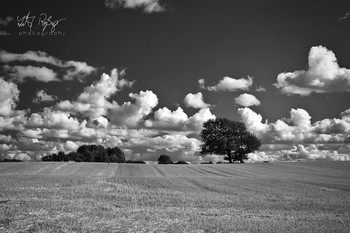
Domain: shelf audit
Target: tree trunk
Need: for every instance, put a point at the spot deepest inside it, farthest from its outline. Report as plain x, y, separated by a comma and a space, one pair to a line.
229, 156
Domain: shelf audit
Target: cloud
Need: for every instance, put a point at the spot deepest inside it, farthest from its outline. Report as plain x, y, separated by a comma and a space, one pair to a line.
94, 100
53, 119
148, 6
70, 146
9, 95
71, 69
130, 114
3, 33
77, 70
342, 18
195, 101
6, 138
164, 118
247, 100
260, 89
229, 84
41, 96
178, 120
296, 129
6, 21
20, 73
310, 152
322, 76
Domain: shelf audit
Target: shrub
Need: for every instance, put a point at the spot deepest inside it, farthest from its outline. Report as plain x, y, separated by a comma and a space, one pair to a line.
164, 159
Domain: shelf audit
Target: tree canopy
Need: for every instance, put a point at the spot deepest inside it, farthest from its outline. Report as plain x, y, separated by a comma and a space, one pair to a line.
222, 136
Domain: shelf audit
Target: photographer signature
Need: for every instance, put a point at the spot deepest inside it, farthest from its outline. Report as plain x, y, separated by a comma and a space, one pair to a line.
44, 21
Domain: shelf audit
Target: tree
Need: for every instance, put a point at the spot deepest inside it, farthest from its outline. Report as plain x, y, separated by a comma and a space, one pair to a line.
164, 159
229, 138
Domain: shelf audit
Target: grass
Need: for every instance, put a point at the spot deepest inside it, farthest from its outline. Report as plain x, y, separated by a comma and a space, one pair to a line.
99, 197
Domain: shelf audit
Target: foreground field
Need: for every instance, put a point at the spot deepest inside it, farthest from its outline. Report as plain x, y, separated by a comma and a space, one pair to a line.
98, 197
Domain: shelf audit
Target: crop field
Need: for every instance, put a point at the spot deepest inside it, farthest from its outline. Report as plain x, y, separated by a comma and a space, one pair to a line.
101, 197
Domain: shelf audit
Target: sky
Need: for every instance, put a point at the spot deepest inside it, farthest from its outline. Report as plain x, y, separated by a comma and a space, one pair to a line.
144, 75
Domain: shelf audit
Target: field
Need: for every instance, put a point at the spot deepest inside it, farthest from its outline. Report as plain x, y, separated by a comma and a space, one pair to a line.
100, 197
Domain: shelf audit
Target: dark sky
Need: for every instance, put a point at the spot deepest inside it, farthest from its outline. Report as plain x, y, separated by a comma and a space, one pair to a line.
169, 51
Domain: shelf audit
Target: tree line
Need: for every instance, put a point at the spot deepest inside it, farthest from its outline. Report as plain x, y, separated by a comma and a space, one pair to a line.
89, 153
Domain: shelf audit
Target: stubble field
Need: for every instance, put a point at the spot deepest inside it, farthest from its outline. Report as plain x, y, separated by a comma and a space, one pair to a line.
100, 197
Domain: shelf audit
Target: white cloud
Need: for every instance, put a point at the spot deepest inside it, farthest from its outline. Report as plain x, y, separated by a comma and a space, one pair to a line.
323, 75
260, 89
253, 121
229, 84
196, 121
6, 138
53, 119
9, 94
148, 6
300, 118
72, 69
178, 120
94, 100
164, 118
195, 101
77, 70
247, 100
100, 122
298, 130
42, 96
130, 114
70, 146
201, 83
20, 73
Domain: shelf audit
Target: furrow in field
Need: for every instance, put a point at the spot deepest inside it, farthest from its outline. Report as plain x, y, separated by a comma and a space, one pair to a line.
158, 171
207, 172
227, 171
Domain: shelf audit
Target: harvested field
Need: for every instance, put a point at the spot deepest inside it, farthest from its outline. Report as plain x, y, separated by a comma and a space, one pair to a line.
100, 197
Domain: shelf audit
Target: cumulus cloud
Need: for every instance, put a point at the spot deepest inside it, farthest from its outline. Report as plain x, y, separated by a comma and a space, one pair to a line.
247, 100
6, 138
130, 114
296, 132
71, 69
229, 84
94, 100
148, 6
42, 96
195, 101
322, 76
9, 94
300, 152
70, 146
53, 119
164, 118
178, 120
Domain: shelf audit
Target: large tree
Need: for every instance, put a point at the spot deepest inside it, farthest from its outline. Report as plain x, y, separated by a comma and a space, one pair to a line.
222, 136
